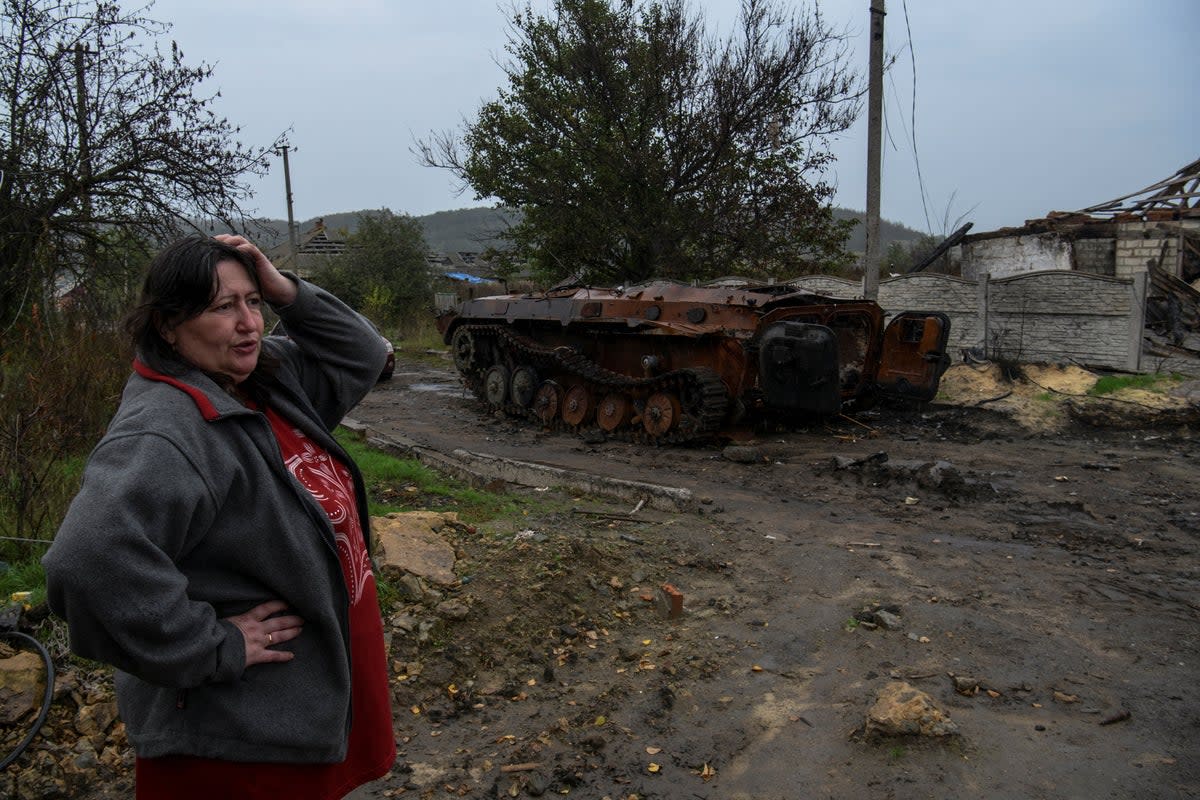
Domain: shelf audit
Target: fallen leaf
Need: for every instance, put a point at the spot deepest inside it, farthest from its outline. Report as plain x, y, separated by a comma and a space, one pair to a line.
415, 709
653, 767
993, 693
646, 642
600, 720
653, 751
756, 668
1062, 697
708, 773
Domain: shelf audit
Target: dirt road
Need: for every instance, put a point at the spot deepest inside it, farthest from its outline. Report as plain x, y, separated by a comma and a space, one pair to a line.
1056, 575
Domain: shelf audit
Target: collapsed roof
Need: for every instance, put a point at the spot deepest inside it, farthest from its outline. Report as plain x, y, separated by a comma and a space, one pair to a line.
1178, 194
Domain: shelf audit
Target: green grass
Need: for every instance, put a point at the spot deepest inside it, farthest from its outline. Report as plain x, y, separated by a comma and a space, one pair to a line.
25, 576
1156, 382
397, 484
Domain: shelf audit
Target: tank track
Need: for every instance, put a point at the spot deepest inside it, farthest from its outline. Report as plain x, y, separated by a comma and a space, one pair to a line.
703, 398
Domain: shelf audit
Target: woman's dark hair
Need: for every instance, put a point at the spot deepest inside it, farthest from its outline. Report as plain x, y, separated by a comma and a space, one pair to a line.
180, 283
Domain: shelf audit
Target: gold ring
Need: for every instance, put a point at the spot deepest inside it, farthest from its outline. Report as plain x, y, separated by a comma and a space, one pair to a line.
269, 639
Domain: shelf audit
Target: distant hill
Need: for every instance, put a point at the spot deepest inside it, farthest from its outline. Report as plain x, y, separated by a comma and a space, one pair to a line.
888, 231
475, 229
463, 230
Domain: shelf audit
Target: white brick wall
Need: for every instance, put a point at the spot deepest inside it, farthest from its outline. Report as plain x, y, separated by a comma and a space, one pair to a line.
1010, 255
1140, 242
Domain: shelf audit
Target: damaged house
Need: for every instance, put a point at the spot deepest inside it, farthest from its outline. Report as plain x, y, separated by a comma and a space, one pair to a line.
1149, 238
1106, 287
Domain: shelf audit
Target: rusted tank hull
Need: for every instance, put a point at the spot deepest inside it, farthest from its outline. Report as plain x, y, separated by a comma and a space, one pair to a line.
666, 362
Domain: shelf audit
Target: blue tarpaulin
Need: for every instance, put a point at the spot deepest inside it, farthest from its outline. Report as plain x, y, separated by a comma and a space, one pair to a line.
462, 276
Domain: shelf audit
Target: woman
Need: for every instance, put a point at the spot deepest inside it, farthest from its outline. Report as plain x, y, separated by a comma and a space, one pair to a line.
216, 553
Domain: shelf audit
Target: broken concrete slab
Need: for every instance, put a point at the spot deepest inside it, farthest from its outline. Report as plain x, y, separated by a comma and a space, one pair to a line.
410, 544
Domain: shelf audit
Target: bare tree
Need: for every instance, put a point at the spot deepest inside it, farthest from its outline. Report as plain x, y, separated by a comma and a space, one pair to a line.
99, 127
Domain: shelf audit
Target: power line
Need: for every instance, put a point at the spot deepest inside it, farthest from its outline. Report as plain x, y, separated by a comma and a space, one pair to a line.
916, 156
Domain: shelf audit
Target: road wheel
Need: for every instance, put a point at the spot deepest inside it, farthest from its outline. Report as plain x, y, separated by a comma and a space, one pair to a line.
523, 386
495, 385
548, 401
613, 412
661, 413
577, 406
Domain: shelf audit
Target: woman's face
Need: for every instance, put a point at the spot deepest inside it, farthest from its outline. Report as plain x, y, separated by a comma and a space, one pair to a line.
226, 336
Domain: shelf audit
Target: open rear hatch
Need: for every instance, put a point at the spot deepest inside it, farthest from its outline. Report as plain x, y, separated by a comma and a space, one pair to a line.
913, 356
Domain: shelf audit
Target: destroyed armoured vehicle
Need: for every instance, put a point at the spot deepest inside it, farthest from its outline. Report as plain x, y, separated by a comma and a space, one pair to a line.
667, 362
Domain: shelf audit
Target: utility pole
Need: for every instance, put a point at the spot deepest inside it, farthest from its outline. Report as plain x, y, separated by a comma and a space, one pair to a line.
874, 152
293, 239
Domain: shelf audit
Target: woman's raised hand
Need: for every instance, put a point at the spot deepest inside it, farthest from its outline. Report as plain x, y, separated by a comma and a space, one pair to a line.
277, 289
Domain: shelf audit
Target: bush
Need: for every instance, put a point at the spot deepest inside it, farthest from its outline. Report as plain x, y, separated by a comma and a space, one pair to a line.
60, 380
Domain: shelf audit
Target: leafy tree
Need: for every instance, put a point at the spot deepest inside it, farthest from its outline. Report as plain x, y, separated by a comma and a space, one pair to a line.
898, 259
637, 145
383, 272
99, 128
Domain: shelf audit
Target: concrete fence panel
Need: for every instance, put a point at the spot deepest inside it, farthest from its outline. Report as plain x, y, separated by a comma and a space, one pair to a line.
958, 298
1052, 315
1065, 316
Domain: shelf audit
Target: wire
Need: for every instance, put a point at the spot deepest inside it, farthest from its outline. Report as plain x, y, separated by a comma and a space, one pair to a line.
916, 157
47, 699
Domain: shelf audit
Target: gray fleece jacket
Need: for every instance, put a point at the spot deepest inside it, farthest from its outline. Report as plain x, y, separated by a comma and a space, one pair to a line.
187, 515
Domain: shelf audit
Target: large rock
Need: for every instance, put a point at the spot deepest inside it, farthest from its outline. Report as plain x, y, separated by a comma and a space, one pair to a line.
95, 718
410, 543
901, 709
22, 685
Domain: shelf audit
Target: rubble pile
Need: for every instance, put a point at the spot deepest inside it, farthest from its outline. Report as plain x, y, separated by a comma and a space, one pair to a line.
82, 744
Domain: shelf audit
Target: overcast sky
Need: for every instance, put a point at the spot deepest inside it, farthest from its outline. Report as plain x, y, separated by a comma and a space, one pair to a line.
1022, 106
